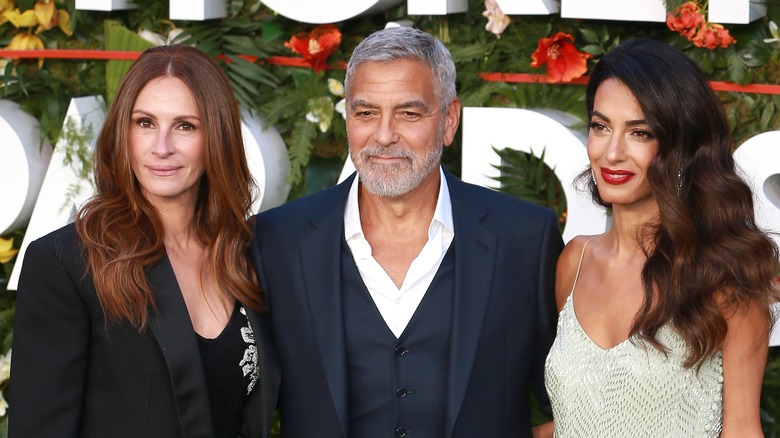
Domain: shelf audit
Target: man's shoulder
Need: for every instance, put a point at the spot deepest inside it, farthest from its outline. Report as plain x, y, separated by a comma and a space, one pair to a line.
496, 201
312, 205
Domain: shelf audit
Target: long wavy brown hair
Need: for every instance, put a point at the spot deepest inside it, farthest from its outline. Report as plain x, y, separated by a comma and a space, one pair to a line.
121, 230
707, 257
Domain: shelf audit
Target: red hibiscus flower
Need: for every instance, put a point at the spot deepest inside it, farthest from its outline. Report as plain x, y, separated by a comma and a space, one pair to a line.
564, 61
317, 45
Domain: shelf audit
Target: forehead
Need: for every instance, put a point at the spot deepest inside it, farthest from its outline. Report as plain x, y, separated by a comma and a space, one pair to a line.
401, 79
163, 90
613, 95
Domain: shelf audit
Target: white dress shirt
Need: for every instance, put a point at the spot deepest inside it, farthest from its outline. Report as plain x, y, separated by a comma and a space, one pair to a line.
397, 306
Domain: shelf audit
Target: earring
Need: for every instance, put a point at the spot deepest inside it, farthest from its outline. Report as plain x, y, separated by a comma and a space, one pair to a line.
679, 184
593, 177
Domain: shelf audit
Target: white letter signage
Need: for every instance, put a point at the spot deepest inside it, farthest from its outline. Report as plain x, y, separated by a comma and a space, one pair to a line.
23, 164
534, 133
319, 11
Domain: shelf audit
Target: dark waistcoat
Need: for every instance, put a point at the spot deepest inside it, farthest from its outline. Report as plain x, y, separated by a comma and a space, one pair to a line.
397, 387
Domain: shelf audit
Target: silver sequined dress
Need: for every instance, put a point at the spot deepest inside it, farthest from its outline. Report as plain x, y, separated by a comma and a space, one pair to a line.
629, 390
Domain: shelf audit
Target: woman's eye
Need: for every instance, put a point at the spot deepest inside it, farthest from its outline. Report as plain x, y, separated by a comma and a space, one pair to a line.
597, 126
643, 135
144, 123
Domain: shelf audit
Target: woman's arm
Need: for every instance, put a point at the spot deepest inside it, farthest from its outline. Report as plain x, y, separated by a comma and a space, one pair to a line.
744, 359
50, 348
543, 430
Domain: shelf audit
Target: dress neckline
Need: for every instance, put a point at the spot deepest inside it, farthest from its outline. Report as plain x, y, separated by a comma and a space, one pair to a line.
570, 303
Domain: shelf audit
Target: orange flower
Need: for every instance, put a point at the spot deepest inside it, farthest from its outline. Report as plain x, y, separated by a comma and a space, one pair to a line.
713, 36
564, 61
317, 45
688, 20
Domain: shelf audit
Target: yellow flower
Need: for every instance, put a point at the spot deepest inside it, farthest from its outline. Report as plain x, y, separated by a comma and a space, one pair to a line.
48, 17
7, 251
27, 19
63, 22
5, 6
44, 12
25, 41
335, 87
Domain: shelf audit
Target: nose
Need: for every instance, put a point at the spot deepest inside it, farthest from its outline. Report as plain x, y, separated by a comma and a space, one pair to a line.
386, 132
616, 148
162, 146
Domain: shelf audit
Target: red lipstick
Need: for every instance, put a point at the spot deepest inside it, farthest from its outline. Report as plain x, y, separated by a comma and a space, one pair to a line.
616, 177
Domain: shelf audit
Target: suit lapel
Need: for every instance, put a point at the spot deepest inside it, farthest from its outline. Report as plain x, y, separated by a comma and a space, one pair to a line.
319, 249
475, 252
173, 330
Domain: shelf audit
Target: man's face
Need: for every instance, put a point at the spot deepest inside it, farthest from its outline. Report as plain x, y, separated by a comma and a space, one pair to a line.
395, 126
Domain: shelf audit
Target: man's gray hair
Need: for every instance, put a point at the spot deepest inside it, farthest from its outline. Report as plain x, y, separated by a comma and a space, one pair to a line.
407, 43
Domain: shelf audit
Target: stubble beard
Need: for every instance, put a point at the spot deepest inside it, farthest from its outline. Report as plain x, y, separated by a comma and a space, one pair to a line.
393, 180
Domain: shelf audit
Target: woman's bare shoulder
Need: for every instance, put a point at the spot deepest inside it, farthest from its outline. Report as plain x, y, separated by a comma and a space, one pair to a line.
566, 268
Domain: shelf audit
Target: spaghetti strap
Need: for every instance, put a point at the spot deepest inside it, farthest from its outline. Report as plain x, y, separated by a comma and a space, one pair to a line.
579, 265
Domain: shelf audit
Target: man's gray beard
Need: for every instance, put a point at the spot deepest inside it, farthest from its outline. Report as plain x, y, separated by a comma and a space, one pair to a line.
393, 180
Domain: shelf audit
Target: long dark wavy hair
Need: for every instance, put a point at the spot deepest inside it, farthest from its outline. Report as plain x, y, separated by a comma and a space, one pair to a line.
706, 256
121, 230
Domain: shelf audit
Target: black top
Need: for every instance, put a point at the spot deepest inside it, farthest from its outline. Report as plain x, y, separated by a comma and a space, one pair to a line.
225, 359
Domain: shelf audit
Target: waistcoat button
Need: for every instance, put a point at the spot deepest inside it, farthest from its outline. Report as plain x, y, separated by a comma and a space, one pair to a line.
400, 432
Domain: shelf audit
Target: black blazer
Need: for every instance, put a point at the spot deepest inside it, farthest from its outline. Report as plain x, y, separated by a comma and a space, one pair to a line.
73, 376
503, 325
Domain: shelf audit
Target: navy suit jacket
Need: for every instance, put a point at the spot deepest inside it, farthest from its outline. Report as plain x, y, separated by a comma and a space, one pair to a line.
503, 324
76, 376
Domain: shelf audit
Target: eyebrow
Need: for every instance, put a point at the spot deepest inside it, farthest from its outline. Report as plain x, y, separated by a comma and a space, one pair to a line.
177, 118
358, 103
637, 122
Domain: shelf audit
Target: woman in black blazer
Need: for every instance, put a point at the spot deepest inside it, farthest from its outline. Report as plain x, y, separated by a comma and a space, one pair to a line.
144, 317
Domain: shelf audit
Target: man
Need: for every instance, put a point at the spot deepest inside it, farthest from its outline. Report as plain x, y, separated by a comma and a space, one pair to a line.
403, 301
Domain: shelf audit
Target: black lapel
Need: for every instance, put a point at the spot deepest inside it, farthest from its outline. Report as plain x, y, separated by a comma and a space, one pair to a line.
319, 248
173, 330
475, 252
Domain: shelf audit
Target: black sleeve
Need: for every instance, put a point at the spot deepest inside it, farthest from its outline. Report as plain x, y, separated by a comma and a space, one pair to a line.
50, 349
551, 247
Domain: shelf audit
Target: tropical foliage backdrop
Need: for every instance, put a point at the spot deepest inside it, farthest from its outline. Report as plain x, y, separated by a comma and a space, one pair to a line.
291, 74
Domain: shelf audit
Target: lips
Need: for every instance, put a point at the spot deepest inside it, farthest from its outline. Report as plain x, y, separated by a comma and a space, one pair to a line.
163, 170
616, 177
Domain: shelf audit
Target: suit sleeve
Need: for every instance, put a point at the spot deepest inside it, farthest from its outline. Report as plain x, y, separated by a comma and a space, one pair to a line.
551, 246
50, 349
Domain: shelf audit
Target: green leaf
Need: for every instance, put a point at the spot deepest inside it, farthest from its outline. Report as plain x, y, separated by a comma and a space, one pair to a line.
766, 117
589, 36
119, 37
593, 49
300, 148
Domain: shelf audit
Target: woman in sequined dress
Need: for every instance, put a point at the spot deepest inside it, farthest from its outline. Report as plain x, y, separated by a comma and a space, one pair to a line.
664, 318
144, 318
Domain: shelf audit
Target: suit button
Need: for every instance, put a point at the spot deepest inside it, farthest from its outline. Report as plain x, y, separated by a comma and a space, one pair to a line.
401, 392
400, 351
400, 432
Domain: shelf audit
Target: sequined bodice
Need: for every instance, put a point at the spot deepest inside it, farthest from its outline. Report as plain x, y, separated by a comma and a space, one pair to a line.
632, 389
